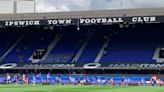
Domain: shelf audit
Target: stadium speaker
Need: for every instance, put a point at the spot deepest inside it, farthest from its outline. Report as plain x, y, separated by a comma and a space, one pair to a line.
121, 25
51, 28
161, 53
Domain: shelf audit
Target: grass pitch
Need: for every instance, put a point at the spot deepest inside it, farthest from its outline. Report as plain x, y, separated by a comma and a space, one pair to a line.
54, 88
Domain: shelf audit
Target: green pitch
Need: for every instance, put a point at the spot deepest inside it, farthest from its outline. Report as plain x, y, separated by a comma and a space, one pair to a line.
53, 88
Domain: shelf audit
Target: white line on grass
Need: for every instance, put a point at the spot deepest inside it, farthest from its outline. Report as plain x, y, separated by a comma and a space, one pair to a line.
20, 90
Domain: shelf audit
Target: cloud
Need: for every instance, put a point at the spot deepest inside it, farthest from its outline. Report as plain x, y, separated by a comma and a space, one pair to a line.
62, 5
76, 5
126, 4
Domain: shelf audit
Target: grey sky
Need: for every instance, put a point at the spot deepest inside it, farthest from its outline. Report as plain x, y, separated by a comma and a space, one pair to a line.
75, 5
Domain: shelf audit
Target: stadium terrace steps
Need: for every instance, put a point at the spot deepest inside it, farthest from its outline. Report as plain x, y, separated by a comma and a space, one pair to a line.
52, 45
157, 57
127, 47
6, 40
132, 45
101, 52
79, 53
49, 49
29, 43
93, 47
67, 47
12, 47
156, 54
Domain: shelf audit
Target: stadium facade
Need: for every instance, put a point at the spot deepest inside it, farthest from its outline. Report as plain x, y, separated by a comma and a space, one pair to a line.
102, 43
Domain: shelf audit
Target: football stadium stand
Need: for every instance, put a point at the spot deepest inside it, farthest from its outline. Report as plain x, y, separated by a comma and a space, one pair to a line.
29, 42
132, 45
67, 46
87, 47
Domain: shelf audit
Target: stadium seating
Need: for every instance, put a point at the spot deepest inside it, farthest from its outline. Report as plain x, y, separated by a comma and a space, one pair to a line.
7, 40
93, 47
129, 45
67, 47
132, 46
28, 44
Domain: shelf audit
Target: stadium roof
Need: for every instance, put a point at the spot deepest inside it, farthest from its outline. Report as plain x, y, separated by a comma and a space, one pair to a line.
85, 14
